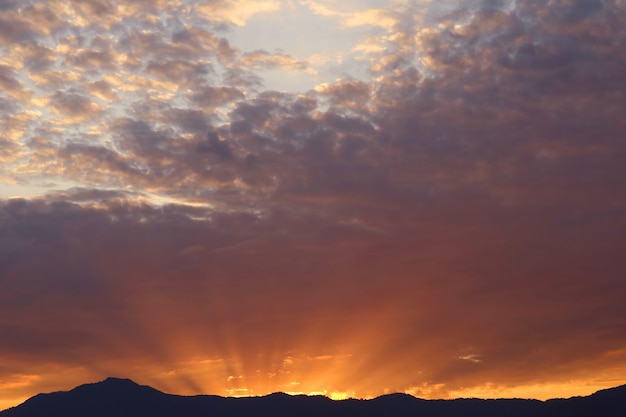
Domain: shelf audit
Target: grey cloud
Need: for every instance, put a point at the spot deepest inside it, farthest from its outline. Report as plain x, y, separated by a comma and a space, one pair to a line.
79, 194
8, 80
95, 164
348, 94
12, 30
200, 41
8, 4
73, 104
579, 9
215, 145
467, 128
158, 158
38, 57
93, 60
52, 79
190, 45
241, 78
102, 89
96, 7
140, 138
7, 106
180, 71
259, 111
191, 121
12, 86
211, 97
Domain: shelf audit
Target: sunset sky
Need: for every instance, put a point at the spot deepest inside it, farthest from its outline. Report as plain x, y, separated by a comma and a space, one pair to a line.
347, 198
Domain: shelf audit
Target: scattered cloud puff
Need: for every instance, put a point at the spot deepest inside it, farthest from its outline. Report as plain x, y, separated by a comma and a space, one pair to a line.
349, 17
264, 60
235, 12
465, 200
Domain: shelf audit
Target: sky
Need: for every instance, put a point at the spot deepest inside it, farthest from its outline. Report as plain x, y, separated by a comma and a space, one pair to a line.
350, 198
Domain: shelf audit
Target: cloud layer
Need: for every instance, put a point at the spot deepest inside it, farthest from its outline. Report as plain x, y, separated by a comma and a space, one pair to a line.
454, 222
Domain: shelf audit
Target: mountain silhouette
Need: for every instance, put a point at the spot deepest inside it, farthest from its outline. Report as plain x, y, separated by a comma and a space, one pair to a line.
116, 397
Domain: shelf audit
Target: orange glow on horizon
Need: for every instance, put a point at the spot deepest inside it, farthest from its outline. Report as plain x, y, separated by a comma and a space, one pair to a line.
536, 391
301, 375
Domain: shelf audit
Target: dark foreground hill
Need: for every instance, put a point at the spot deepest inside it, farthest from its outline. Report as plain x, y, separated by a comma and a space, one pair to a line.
124, 398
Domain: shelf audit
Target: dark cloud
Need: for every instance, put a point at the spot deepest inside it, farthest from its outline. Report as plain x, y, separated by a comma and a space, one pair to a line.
15, 31
38, 57
7, 106
93, 59
97, 7
74, 106
81, 195
178, 70
11, 85
216, 146
212, 97
8, 4
347, 95
198, 41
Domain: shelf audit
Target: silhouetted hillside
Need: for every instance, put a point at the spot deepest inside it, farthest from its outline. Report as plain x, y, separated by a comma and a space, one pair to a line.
124, 398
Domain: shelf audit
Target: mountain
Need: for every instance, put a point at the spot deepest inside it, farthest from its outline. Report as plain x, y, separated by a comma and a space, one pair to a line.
115, 397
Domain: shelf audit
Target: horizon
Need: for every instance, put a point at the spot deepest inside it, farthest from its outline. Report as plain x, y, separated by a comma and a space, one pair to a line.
126, 397
110, 379
242, 197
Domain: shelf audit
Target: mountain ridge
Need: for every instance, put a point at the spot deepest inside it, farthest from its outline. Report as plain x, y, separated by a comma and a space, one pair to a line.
123, 397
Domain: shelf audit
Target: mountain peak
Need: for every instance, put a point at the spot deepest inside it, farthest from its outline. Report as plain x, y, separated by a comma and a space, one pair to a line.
116, 387
110, 383
119, 381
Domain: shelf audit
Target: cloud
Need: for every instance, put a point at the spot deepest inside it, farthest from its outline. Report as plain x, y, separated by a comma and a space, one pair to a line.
102, 90
353, 18
212, 97
34, 55
73, 107
198, 41
178, 70
53, 80
235, 12
215, 146
27, 23
346, 94
264, 60
16, 126
12, 86
465, 202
